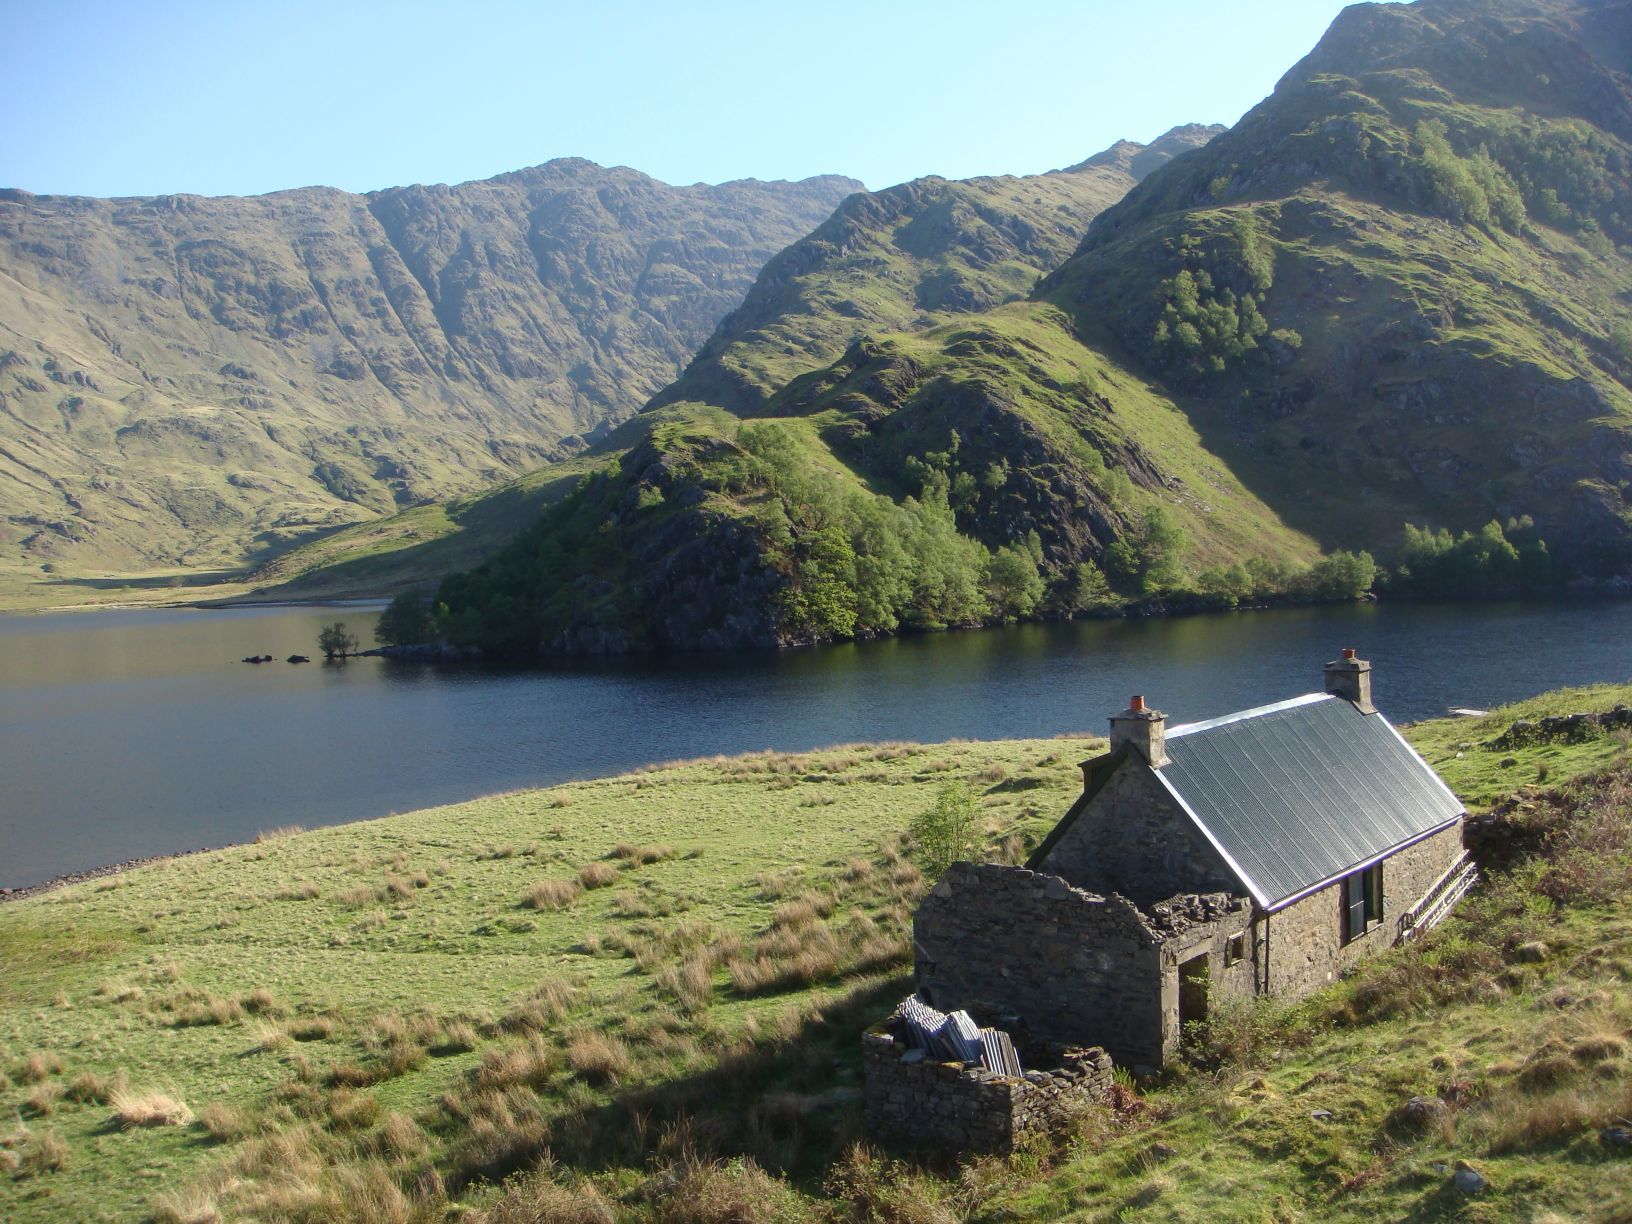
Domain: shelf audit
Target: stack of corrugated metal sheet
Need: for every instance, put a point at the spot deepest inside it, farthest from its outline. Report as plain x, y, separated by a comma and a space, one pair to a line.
997, 1053
957, 1038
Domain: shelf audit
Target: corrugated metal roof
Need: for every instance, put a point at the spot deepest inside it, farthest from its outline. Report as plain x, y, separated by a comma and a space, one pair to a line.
1297, 793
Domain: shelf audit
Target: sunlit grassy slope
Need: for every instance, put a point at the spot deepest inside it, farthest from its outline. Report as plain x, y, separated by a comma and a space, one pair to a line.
656, 969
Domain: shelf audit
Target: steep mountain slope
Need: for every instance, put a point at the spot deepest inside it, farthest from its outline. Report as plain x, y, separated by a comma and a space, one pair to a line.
908, 258
1398, 291
1400, 288
915, 255
187, 380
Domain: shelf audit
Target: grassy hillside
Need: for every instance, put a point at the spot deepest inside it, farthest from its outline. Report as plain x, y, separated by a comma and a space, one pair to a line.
1398, 288
654, 984
905, 258
187, 383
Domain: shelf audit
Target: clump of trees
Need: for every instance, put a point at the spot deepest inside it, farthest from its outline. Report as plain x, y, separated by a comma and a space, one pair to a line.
407, 620
335, 642
1498, 559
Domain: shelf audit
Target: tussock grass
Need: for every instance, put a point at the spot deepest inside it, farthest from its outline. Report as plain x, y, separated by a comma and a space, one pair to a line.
597, 875
149, 1108
553, 894
597, 1057
36, 1066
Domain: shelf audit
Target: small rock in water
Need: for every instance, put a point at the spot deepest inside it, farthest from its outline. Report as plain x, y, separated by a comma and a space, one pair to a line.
1468, 1179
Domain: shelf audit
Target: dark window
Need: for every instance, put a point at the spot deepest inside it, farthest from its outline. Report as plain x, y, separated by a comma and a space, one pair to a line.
1362, 901
1236, 950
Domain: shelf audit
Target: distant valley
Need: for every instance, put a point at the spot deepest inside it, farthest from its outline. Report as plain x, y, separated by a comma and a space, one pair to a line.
189, 383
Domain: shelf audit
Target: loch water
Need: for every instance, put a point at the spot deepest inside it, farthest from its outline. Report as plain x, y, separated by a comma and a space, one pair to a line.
132, 733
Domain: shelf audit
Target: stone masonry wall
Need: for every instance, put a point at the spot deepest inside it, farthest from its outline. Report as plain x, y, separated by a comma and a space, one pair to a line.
1075, 967
965, 1109
1306, 948
1134, 839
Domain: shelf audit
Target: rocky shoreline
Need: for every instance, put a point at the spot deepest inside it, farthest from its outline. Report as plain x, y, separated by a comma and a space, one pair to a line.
95, 873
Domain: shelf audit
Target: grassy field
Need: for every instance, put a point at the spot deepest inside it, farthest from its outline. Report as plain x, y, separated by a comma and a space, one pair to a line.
642, 995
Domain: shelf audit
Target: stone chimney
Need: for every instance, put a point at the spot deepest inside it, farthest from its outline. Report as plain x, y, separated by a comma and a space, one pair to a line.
1350, 678
1145, 730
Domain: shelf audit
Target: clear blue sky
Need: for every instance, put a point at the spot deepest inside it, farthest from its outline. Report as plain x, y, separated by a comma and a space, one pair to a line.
140, 97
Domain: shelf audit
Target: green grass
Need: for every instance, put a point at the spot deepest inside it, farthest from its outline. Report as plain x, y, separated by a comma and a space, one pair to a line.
348, 1011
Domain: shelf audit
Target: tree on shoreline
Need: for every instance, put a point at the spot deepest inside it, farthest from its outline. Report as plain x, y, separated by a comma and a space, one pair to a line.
335, 642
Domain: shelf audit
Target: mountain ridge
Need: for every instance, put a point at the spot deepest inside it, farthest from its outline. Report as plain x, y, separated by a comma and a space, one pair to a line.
340, 354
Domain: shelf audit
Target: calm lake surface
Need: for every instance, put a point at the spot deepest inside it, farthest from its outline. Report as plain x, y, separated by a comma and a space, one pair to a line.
131, 733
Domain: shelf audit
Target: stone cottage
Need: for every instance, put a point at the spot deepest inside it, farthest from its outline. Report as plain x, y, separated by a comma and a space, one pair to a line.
1260, 853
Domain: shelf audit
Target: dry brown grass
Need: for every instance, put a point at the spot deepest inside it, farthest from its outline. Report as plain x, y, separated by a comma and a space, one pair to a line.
41, 1102
738, 1191
597, 875
200, 1013
151, 1108
89, 1088
531, 1061
641, 856
303, 890
191, 1206
553, 894
538, 1199
36, 1066
548, 1002
277, 834
222, 1123
312, 1028
597, 1057
47, 1153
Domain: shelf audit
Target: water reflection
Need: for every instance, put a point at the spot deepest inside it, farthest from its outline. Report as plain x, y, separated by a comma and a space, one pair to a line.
131, 733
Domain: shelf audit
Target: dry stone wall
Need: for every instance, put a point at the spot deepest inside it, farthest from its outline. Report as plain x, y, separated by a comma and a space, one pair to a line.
913, 1102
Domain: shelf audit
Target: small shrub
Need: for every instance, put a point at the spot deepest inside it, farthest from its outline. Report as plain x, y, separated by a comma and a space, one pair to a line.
305, 890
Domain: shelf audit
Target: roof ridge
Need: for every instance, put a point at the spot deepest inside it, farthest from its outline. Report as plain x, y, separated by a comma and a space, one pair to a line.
1256, 712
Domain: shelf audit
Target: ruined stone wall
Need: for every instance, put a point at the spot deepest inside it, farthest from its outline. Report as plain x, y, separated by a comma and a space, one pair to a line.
1133, 838
1306, 948
1074, 967
965, 1109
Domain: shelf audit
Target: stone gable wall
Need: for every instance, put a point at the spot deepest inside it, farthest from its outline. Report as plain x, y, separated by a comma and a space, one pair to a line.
1076, 968
1306, 948
964, 1109
1133, 838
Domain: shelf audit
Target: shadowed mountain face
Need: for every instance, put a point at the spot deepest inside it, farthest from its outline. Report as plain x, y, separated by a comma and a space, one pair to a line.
185, 381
